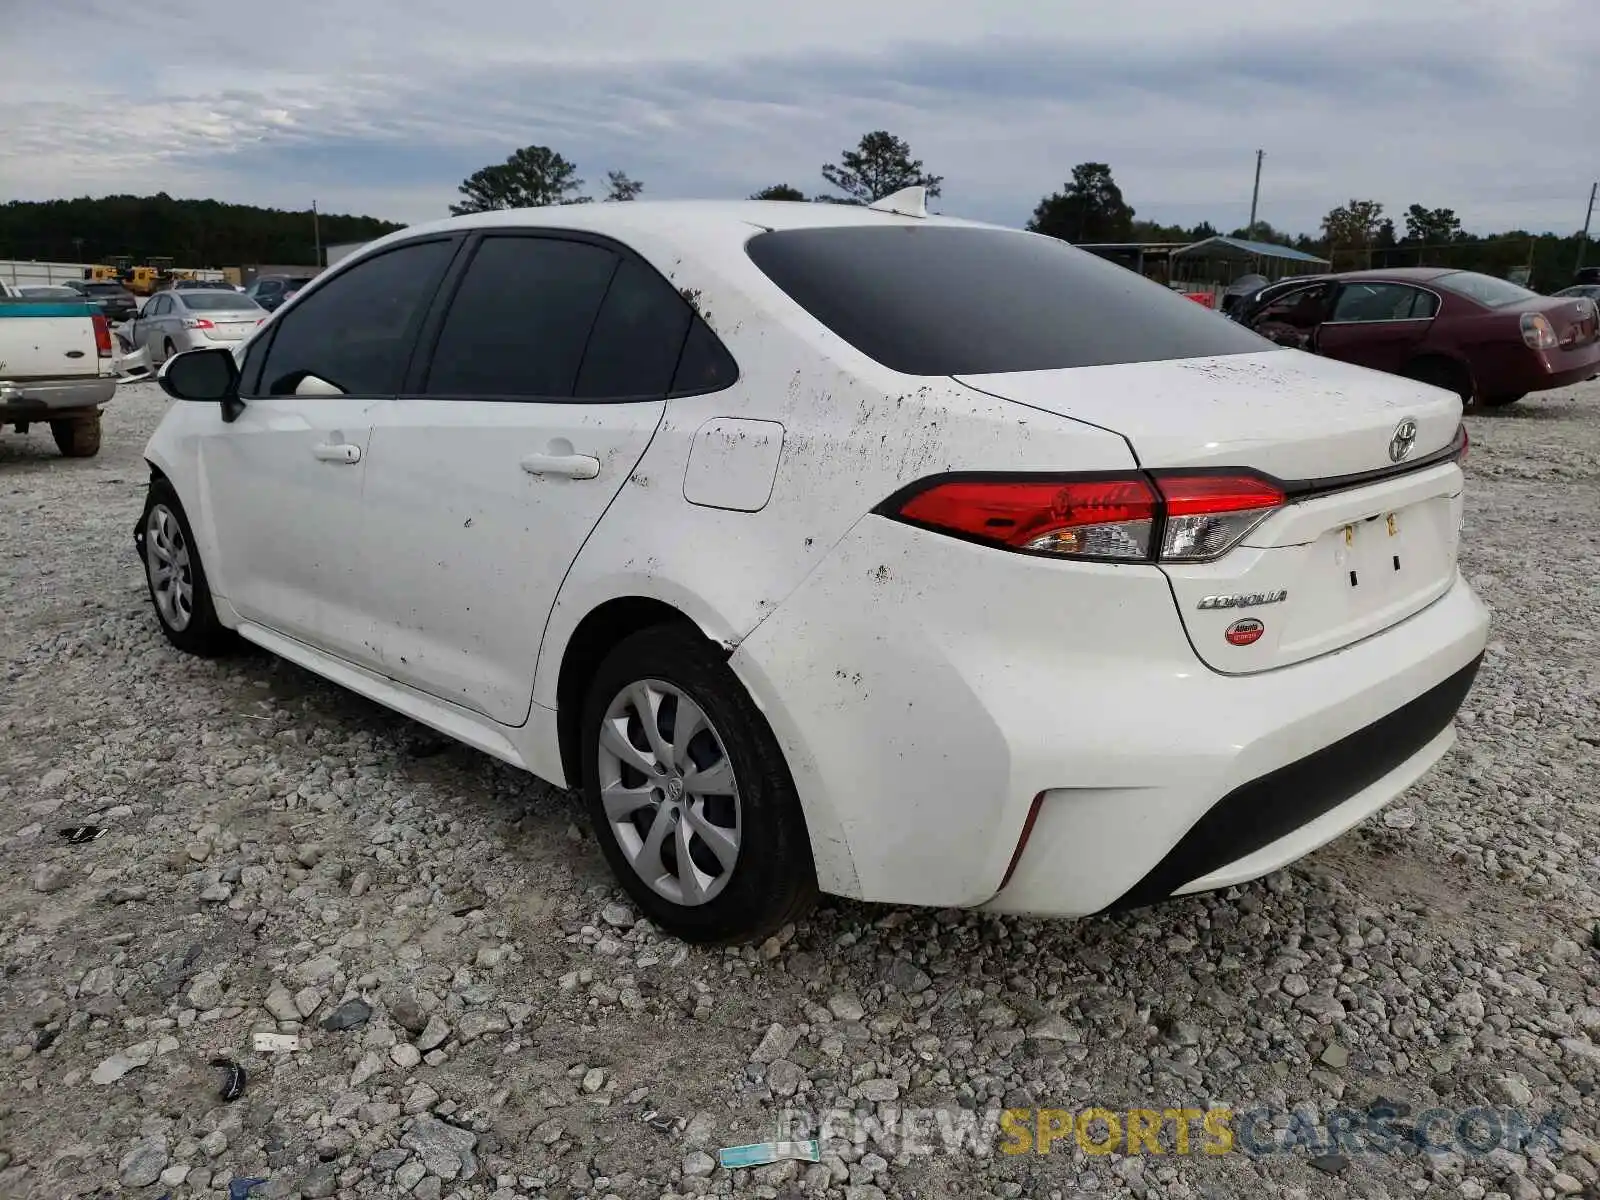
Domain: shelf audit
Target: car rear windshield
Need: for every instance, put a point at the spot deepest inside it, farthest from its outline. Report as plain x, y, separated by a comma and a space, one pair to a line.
949, 300
1485, 289
105, 289
215, 301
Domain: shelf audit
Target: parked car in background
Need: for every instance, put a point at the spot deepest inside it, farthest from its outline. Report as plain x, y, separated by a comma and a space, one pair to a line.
835, 547
57, 367
270, 291
116, 301
49, 291
182, 319
203, 285
1488, 340
1589, 290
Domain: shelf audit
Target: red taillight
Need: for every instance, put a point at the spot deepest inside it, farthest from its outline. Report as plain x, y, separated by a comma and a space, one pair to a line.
1094, 518
1132, 518
198, 323
102, 335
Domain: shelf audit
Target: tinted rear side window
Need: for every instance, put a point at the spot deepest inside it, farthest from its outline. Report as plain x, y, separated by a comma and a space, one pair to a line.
706, 365
637, 337
520, 320
944, 300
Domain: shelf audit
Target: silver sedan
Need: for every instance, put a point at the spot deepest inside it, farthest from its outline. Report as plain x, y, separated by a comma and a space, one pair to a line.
174, 321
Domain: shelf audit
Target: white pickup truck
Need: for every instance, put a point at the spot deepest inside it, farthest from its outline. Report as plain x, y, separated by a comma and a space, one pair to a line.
57, 366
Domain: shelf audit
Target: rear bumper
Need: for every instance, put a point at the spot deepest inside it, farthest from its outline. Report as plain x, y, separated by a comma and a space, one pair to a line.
36, 400
1269, 822
1536, 370
937, 700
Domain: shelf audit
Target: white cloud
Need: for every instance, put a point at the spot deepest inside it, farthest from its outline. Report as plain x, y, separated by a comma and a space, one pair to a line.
382, 106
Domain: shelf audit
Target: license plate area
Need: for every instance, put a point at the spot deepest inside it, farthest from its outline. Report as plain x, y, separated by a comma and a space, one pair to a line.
1373, 554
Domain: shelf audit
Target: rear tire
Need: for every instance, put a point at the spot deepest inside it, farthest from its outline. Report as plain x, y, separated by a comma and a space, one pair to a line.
1501, 401
176, 578
1443, 373
77, 436
749, 869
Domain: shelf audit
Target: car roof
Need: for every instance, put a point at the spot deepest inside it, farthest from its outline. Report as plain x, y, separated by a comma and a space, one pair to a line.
1402, 274
702, 222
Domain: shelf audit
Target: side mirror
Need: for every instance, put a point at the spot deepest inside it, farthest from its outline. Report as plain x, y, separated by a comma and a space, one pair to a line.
206, 376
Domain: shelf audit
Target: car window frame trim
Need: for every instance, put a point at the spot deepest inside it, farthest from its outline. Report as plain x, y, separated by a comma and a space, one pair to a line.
1400, 283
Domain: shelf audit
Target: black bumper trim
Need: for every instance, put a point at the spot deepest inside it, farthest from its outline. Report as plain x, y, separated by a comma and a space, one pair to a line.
1258, 813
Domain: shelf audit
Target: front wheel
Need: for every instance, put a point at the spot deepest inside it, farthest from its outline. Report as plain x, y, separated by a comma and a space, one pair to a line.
689, 794
177, 579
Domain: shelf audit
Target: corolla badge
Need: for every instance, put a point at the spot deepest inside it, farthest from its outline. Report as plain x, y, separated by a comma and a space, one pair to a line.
1405, 437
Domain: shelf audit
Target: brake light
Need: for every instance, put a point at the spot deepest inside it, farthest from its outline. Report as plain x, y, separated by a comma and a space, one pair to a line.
102, 335
1093, 518
1174, 517
198, 323
1538, 333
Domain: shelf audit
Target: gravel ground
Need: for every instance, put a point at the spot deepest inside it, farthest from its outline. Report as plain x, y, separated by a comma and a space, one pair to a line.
281, 856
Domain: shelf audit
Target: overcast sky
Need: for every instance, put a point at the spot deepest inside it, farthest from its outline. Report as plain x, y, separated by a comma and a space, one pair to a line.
382, 106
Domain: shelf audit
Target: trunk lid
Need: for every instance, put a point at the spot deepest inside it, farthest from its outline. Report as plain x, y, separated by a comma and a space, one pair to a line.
1576, 320
1356, 549
230, 327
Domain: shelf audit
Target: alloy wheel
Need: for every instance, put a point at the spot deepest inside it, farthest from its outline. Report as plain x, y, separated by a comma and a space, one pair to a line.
669, 793
166, 553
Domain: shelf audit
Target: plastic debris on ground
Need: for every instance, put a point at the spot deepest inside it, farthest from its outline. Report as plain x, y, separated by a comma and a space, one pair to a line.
348, 1015
240, 1189
233, 1082
276, 1043
759, 1154
77, 835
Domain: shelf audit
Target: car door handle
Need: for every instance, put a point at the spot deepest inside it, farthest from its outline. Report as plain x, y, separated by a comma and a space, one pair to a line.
337, 452
568, 466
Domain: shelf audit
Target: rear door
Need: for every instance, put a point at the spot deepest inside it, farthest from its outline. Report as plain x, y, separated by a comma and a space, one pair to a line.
285, 479
1378, 325
147, 325
551, 359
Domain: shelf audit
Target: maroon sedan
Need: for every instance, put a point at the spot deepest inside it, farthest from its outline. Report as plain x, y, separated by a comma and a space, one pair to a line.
1486, 339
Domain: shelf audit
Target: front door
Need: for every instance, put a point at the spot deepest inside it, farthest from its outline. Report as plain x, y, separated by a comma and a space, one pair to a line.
286, 477
546, 383
1377, 325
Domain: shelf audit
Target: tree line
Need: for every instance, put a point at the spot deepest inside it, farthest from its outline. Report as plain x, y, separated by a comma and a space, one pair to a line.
193, 233
1089, 207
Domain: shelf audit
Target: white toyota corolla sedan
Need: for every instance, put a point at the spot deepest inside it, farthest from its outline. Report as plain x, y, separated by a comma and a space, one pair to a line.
834, 548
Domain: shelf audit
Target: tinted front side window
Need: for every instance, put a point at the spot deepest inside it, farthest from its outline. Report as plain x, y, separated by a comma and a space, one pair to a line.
634, 347
520, 320
356, 330
943, 300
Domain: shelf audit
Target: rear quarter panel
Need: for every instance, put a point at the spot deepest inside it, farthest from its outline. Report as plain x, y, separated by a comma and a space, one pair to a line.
853, 433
